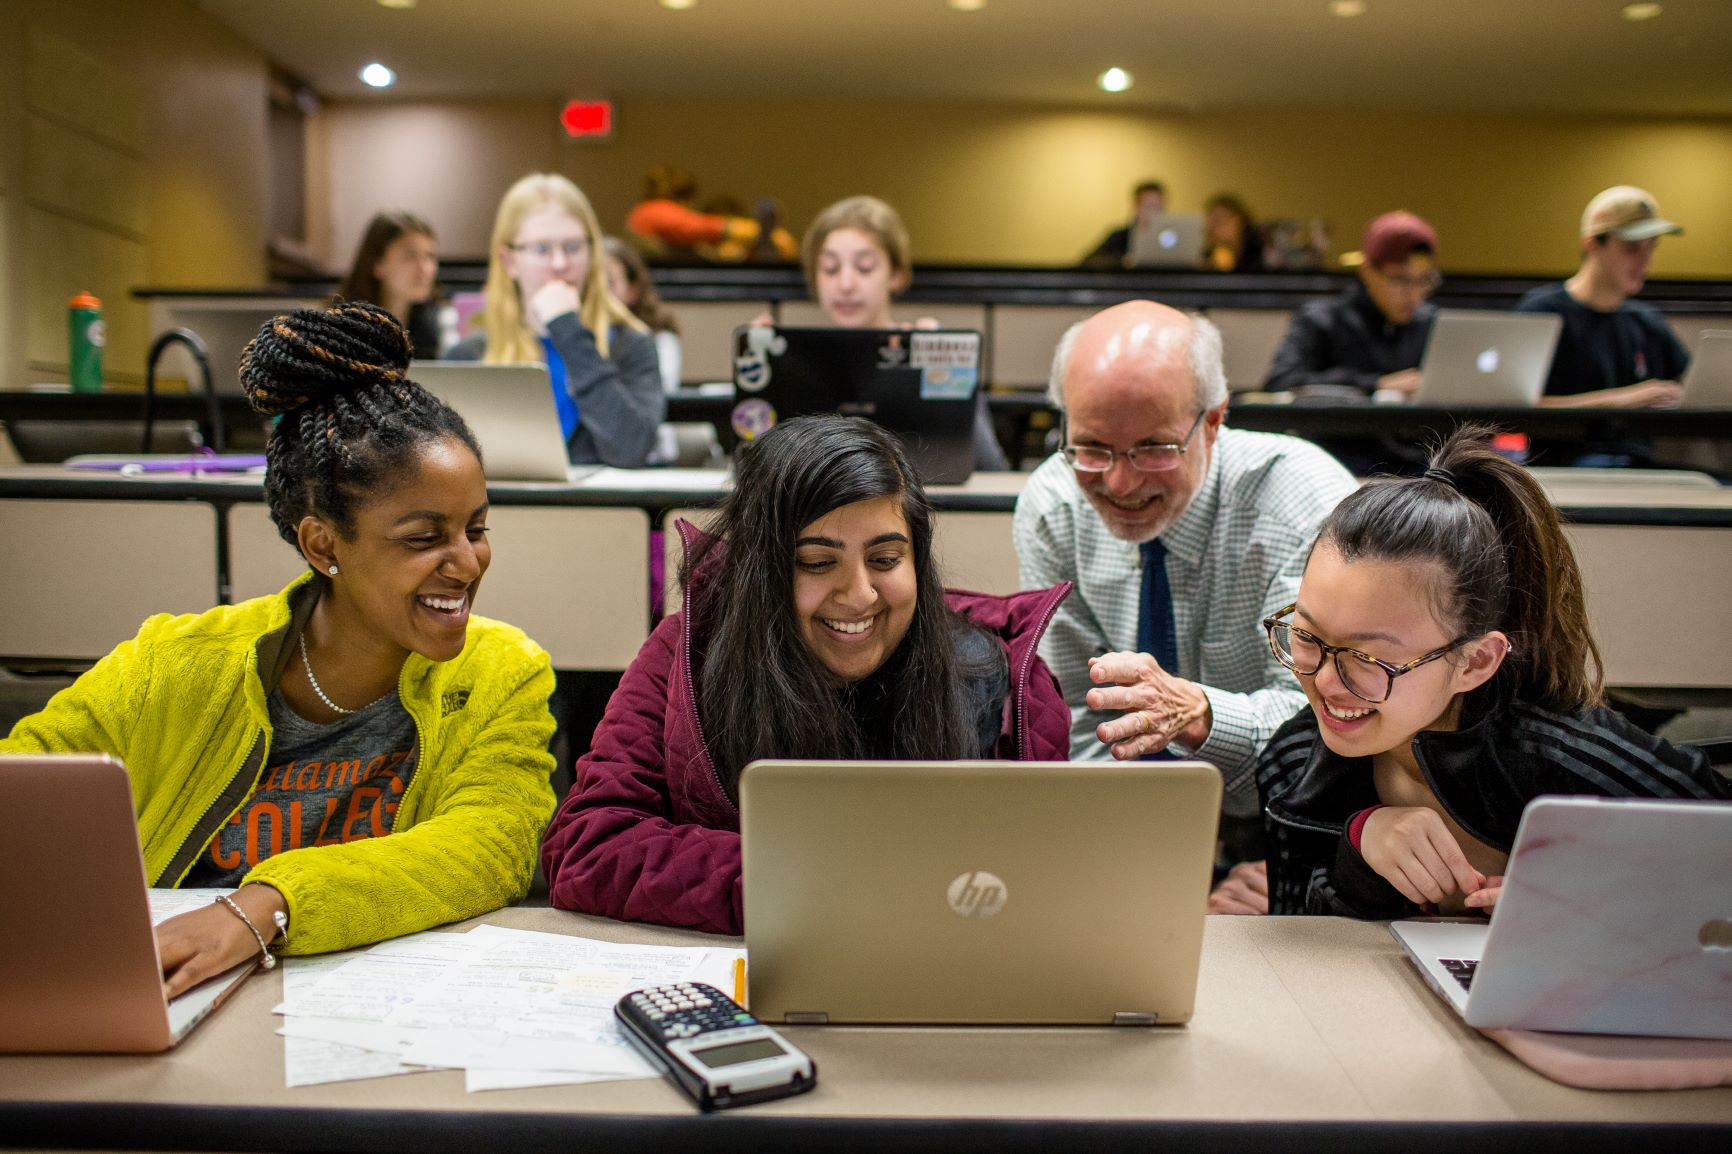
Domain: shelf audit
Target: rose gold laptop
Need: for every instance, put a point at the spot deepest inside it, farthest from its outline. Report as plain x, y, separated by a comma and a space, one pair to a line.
78, 964
997, 893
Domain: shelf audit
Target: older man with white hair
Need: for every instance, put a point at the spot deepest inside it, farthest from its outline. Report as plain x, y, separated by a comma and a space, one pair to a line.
1181, 535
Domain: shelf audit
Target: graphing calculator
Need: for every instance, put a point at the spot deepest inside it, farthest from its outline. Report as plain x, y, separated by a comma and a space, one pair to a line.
711, 1047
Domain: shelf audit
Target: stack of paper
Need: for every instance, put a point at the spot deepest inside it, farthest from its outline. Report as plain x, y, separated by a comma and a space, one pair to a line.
511, 1008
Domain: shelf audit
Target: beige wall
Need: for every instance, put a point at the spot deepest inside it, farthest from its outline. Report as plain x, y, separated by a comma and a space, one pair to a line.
987, 183
132, 152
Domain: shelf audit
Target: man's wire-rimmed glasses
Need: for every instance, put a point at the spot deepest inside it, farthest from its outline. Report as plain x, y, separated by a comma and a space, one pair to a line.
1143, 458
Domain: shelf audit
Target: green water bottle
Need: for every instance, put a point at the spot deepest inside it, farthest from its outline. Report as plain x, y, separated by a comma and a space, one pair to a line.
88, 335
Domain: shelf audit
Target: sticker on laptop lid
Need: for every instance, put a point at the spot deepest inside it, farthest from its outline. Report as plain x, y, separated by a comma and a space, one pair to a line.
752, 418
752, 364
949, 364
948, 384
944, 351
893, 353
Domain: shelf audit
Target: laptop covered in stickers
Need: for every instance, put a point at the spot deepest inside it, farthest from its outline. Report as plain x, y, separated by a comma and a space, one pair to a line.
921, 384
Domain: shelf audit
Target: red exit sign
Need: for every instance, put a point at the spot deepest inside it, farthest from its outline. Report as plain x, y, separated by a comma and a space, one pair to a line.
587, 119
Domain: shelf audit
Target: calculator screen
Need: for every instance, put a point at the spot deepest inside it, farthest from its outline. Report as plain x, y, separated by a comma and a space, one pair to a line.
733, 1053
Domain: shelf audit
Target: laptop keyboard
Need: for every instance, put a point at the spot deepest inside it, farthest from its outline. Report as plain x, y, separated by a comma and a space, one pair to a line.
1461, 969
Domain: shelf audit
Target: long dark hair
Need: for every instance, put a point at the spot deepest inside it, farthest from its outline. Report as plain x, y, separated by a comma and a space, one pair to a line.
362, 283
351, 420
761, 692
1490, 529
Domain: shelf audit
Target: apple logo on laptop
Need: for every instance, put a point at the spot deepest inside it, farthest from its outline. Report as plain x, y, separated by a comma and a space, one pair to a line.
977, 894
1168, 237
1486, 362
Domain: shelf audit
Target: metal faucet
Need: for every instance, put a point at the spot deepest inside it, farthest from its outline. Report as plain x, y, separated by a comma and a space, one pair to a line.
194, 345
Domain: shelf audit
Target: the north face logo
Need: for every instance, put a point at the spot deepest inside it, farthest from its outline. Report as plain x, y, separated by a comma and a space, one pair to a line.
453, 701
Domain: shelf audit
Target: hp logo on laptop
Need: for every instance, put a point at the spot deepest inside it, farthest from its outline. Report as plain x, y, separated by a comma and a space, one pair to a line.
977, 894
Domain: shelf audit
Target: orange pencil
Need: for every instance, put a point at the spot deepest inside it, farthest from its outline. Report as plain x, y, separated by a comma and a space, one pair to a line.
740, 980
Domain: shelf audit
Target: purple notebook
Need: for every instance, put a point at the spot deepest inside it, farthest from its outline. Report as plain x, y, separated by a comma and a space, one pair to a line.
196, 463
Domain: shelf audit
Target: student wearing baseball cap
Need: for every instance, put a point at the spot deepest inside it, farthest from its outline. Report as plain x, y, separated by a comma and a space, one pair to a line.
1370, 337
1614, 352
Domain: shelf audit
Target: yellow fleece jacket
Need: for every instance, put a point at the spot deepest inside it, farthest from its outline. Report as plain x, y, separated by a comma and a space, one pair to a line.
182, 704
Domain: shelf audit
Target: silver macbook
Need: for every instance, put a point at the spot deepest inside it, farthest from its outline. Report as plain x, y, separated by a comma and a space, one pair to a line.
1615, 918
1169, 240
510, 410
79, 969
1487, 358
1708, 381
996, 893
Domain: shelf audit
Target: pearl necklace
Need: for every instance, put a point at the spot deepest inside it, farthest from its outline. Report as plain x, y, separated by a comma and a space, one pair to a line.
329, 704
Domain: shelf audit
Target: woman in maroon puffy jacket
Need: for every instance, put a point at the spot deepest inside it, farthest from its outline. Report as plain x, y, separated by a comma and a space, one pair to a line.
815, 626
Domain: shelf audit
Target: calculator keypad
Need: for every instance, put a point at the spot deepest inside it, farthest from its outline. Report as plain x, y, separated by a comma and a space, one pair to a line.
688, 1009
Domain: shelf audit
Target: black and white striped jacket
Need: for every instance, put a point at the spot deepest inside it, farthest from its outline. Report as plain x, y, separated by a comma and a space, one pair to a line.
1505, 754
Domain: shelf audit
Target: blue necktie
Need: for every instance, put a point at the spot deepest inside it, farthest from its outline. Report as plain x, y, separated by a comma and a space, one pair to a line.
1155, 629
1155, 622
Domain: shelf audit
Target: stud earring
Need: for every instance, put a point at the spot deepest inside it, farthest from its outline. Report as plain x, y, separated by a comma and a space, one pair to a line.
332, 570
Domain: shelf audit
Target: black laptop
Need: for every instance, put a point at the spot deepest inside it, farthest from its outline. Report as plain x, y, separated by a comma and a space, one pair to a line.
918, 383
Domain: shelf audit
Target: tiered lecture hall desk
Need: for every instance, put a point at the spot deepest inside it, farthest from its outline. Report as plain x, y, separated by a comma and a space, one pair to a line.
91, 555
1309, 1034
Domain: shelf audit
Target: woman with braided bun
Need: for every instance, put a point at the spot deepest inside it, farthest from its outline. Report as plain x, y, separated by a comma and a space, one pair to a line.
1441, 636
547, 302
357, 756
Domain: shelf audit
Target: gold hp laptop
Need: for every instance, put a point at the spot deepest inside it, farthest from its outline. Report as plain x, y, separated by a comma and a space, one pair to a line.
1000, 893
78, 964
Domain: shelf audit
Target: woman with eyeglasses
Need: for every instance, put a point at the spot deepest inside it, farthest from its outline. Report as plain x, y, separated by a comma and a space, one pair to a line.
547, 302
1441, 636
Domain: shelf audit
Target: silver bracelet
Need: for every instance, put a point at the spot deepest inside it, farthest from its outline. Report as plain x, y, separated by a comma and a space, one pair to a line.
270, 959
282, 923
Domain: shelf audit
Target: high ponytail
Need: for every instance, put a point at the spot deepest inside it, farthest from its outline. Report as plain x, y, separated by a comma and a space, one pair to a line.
1505, 563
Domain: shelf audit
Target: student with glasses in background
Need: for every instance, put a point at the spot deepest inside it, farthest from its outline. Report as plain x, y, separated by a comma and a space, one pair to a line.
547, 302
1181, 534
1441, 639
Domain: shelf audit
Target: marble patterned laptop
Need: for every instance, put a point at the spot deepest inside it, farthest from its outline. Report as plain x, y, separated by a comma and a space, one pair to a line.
1615, 918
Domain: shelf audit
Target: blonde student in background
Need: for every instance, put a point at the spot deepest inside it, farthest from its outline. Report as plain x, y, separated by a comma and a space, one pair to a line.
359, 754
547, 302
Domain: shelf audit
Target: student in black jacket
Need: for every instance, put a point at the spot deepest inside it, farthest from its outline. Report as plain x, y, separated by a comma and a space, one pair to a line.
1148, 200
1372, 336
1441, 637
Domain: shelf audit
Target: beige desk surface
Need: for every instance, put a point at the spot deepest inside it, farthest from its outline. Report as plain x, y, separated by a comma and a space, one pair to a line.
1648, 577
1297, 1020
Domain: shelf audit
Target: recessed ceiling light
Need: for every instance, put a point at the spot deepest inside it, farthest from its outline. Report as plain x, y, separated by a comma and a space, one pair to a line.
679, 5
967, 5
1346, 8
396, 3
1641, 11
1114, 80
376, 75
